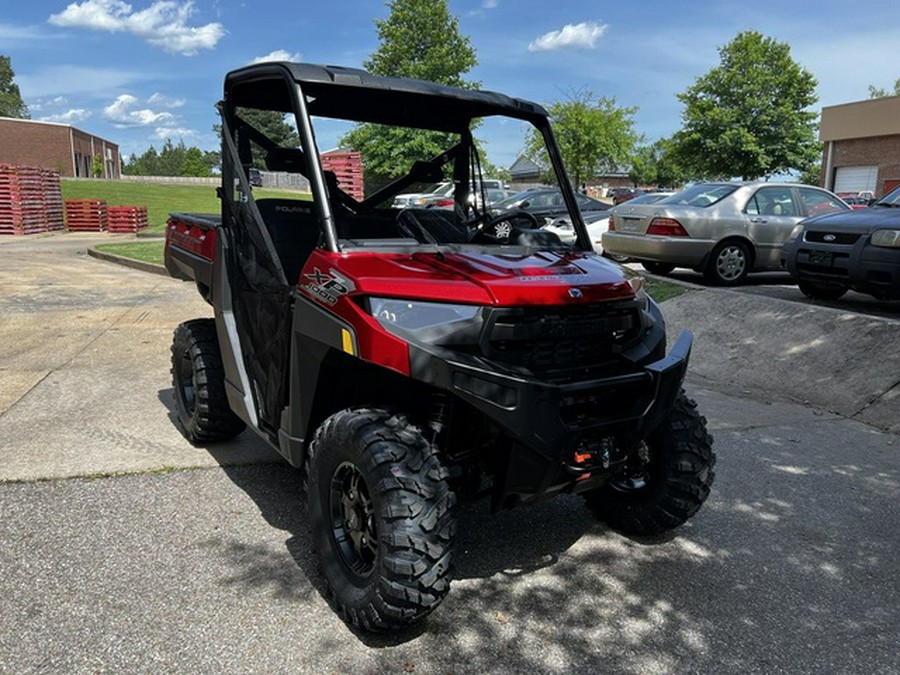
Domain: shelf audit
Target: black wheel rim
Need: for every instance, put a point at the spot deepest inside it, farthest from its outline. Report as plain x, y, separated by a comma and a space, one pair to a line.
353, 520
186, 388
636, 475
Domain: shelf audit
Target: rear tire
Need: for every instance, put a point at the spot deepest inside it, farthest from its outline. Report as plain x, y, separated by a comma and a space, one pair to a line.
380, 512
818, 291
660, 268
198, 379
669, 485
728, 264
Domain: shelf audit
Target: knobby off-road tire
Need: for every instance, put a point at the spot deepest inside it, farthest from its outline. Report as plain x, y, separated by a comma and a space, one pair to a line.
819, 291
664, 493
198, 379
381, 517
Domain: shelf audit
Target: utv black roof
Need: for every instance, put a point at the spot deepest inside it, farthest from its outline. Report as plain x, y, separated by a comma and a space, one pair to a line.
356, 95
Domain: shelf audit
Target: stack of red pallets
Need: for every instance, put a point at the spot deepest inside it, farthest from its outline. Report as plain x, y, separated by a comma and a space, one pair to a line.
86, 215
26, 192
127, 218
347, 167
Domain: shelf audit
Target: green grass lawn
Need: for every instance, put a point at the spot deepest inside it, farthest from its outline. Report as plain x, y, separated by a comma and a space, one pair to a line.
148, 251
161, 199
663, 290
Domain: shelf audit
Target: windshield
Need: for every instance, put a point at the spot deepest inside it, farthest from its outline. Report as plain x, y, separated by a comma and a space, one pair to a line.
892, 198
703, 195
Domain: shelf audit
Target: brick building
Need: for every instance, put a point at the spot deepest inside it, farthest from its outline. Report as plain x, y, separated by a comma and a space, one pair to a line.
57, 146
862, 146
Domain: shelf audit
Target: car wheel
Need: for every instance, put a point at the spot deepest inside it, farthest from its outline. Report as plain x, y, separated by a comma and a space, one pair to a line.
666, 482
617, 258
198, 379
380, 512
728, 264
658, 267
820, 291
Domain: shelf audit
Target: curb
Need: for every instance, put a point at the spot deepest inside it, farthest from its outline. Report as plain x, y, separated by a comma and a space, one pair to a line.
153, 268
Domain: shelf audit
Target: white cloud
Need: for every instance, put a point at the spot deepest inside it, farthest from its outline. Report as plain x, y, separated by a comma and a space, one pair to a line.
490, 4
69, 117
58, 80
126, 112
172, 133
572, 36
163, 24
165, 101
278, 55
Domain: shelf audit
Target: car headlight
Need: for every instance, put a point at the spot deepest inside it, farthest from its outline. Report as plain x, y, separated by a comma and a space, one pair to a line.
796, 232
412, 315
886, 238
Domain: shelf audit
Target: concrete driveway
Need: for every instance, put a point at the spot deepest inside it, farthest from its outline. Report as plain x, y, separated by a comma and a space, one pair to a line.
125, 549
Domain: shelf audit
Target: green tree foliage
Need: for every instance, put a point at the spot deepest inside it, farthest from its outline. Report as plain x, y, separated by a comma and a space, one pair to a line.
594, 135
813, 175
11, 103
172, 160
877, 92
419, 39
749, 116
658, 164
97, 166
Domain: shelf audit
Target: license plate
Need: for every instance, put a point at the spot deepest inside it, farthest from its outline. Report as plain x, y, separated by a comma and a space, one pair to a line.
630, 224
824, 258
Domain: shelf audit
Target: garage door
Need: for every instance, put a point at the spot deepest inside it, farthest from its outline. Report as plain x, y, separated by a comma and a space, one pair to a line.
855, 178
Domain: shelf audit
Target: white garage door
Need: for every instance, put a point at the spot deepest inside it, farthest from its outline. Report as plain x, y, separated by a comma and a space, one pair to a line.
855, 178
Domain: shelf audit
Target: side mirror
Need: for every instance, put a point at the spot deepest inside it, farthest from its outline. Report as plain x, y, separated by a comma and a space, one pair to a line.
525, 204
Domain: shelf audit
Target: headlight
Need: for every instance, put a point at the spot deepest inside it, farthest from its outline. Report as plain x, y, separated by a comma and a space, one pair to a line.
886, 238
796, 232
415, 315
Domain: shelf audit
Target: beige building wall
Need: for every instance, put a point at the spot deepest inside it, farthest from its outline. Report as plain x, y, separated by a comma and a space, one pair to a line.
864, 133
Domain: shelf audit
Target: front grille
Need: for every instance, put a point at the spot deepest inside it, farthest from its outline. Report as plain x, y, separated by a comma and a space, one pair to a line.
844, 238
554, 341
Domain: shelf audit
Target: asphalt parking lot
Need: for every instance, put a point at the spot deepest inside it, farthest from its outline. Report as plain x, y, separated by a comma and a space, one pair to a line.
126, 549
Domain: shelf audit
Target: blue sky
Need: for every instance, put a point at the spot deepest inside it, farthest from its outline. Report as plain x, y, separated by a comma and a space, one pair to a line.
139, 72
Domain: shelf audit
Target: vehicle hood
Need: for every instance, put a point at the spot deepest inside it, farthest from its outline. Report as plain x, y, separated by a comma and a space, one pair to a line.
861, 221
486, 278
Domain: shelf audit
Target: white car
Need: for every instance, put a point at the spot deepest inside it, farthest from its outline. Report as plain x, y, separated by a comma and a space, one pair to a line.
598, 222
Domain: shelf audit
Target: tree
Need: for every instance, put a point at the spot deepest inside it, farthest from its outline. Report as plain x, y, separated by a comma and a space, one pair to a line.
594, 135
876, 92
419, 39
750, 116
11, 103
172, 160
97, 166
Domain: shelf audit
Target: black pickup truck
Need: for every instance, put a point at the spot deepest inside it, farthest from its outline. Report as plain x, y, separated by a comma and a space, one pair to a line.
858, 250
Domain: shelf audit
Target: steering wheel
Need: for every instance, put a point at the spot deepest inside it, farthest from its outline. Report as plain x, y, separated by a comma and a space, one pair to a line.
494, 229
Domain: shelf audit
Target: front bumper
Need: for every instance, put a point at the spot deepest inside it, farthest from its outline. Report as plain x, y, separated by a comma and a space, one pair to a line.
548, 423
865, 268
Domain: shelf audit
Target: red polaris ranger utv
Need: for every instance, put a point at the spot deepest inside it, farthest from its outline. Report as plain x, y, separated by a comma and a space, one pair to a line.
406, 359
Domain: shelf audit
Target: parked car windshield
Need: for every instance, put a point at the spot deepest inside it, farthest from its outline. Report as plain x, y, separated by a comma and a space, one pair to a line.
892, 198
703, 195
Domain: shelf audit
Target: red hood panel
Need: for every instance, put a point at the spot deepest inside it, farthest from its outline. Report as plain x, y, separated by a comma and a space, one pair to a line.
544, 278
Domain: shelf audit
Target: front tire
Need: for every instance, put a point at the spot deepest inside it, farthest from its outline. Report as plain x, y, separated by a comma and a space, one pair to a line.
198, 379
667, 482
818, 291
380, 512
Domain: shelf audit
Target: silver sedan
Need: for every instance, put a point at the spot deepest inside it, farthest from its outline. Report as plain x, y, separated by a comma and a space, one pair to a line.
724, 230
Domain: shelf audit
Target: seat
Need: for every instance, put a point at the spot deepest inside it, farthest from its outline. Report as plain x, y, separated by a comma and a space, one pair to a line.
294, 230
